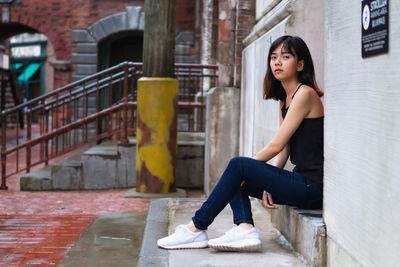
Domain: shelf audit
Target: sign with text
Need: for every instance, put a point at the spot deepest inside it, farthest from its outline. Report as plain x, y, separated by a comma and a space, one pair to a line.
374, 27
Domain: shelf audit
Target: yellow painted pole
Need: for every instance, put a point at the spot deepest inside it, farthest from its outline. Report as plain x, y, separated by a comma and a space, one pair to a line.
156, 135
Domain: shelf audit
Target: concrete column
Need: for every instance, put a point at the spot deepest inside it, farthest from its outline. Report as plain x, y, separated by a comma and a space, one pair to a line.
208, 44
156, 135
226, 42
222, 133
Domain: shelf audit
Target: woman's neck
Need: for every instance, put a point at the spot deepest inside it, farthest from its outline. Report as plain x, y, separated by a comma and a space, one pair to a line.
290, 86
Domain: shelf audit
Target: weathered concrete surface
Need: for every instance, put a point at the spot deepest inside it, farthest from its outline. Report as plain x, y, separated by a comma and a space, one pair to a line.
111, 165
305, 230
37, 180
180, 211
113, 239
190, 165
222, 133
156, 132
362, 140
132, 193
126, 168
156, 228
67, 174
100, 167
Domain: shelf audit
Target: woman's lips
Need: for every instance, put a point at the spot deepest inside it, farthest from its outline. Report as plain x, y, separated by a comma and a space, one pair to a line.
278, 71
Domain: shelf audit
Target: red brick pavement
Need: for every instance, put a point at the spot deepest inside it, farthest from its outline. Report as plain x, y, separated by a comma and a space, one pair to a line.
27, 240
38, 228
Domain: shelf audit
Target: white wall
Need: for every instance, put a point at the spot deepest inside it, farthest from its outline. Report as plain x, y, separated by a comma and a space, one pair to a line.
362, 142
259, 118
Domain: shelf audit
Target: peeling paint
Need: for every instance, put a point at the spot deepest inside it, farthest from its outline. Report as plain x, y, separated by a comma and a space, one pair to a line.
156, 135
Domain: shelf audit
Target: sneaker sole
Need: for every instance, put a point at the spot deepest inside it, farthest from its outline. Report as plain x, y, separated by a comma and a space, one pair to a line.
201, 244
252, 245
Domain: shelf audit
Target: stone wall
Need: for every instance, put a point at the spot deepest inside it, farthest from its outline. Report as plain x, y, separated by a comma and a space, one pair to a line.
362, 144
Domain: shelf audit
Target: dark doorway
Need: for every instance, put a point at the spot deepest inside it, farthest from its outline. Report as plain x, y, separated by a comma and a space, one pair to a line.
117, 48
120, 47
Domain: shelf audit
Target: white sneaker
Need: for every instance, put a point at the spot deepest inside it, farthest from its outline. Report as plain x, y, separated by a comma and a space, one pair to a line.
184, 238
237, 239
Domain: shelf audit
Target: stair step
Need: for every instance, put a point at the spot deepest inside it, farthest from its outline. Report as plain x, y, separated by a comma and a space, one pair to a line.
112, 165
305, 230
67, 173
102, 150
39, 180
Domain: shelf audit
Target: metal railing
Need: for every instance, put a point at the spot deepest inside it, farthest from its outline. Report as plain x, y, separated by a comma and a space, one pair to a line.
91, 109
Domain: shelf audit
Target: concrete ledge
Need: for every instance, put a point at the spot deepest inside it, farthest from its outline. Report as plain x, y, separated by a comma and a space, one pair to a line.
165, 214
305, 230
274, 16
133, 193
106, 151
156, 228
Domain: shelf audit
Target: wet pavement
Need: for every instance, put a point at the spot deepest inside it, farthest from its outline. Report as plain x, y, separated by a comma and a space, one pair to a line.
70, 228
39, 228
113, 239
38, 240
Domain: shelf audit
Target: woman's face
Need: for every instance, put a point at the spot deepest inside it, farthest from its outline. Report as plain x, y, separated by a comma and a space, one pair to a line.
284, 65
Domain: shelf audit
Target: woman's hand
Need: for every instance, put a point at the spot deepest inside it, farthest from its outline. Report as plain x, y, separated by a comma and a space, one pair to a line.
267, 201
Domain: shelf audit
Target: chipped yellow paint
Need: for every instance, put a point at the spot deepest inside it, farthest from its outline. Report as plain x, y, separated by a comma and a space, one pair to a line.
156, 98
142, 188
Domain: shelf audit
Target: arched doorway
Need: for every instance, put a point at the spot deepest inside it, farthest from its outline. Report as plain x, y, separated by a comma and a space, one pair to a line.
120, 47
117, 48
29, 54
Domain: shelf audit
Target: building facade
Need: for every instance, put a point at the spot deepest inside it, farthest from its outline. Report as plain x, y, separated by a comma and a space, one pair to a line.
87, 36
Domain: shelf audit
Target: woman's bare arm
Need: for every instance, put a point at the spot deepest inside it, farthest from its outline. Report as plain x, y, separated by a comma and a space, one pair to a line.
299, 109
281, 159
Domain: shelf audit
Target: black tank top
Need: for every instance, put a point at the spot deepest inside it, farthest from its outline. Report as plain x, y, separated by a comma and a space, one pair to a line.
307, 148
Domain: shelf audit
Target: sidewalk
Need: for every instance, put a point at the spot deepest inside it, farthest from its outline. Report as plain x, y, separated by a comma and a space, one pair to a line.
165, 214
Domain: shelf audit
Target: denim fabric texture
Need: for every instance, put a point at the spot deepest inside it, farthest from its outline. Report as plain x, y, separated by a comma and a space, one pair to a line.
286, 187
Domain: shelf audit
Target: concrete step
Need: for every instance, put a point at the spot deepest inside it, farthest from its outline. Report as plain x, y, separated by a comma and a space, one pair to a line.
112, 165
165, 214
305, 230
39, 180
105, 168
67, 173
101, 167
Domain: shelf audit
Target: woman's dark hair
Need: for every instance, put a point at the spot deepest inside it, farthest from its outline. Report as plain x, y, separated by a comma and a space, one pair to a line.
297, 47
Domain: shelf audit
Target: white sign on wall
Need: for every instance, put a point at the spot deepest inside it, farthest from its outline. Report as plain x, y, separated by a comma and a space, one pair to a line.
26, 51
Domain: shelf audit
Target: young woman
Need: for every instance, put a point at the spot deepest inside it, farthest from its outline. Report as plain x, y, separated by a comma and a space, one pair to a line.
289, 79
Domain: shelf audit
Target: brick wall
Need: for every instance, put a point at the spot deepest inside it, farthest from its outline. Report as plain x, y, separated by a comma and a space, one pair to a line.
236, 18
56, 19
245, 19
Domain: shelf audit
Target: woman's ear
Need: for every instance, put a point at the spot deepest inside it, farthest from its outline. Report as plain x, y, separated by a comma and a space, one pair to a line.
300, 65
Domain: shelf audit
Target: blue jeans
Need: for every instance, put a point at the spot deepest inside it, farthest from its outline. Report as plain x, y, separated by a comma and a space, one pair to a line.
286, 187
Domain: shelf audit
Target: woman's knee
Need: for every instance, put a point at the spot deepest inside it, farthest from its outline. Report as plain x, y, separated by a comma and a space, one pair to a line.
236, 161
239, 163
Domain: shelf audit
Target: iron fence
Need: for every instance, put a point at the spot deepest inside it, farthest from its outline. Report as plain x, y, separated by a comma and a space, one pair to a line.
99, 106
